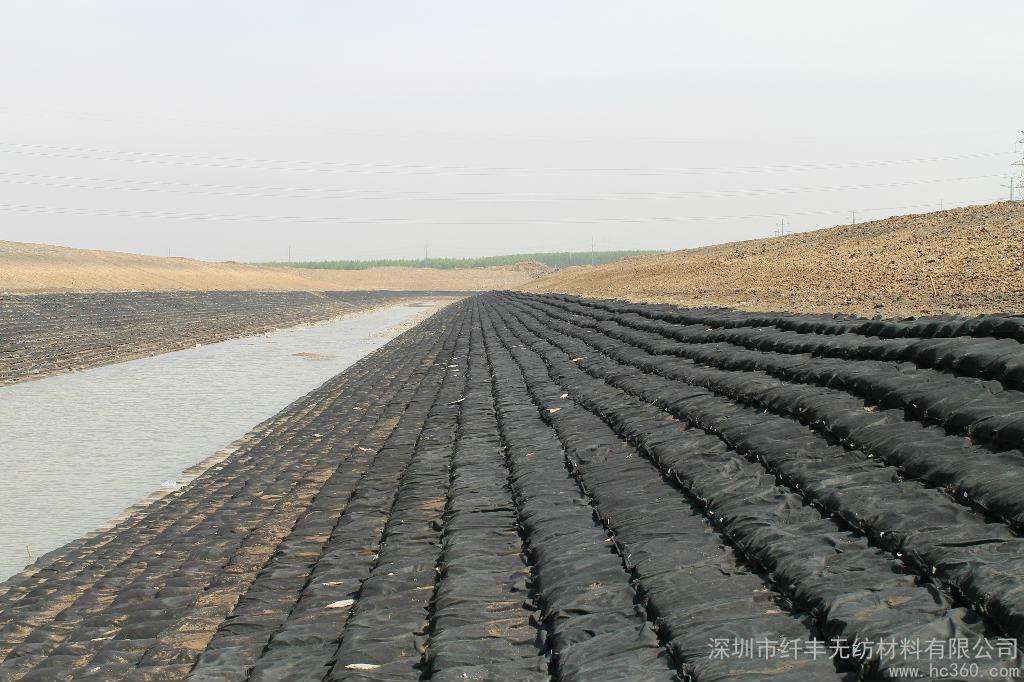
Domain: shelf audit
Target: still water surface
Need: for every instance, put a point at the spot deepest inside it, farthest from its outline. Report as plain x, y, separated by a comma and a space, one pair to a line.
76, 449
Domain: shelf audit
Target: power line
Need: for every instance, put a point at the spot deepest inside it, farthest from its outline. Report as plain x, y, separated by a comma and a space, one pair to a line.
288, 124
379, 220
339, 193
416, 168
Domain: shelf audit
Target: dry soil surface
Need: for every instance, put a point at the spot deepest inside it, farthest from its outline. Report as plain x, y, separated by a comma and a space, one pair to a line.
966, 260
34, 268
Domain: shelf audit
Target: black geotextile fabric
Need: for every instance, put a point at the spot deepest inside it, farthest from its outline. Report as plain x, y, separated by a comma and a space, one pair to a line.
988, 346
547, 487
987, 479
42, 334
982, 326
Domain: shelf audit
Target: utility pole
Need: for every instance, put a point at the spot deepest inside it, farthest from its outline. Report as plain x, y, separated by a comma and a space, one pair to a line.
1011, 186
289, 253
780, 228
426, 253
1020, 163
592, 243
853, 217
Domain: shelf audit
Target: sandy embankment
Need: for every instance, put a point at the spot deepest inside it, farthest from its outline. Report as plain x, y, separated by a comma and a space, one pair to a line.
966, 261
37, 268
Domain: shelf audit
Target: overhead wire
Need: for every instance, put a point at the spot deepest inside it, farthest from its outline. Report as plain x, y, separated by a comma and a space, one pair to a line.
485, 220
419, 168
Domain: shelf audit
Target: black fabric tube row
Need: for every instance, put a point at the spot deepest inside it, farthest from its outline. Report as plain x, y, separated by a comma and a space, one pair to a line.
482, 624
993, 482
305, 644
983, 410
982, 326
44, 334
385, 634
868, 596
82, 613
975, 559
598, 630
290, 599
176, 547
978, 560
697, 589
532, 487
288, 494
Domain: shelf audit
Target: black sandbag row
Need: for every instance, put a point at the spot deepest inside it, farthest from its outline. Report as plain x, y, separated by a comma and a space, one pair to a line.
162, 545
983, 358
973, 558
971, 474
306, 644
129, 550
980, 409
697, 589
150, 642
44, 334
93, 552
936, 326
995, 326
482, 623
857, 592
597, 629
977, 355
385, 633
47, 333
285, 621
718, 317
83, 560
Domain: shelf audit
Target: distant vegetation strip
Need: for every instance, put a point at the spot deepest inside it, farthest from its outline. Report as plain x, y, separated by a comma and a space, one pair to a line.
555, 259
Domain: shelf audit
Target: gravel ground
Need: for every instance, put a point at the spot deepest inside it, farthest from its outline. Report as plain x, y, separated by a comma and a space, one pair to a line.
545, 487
963, 261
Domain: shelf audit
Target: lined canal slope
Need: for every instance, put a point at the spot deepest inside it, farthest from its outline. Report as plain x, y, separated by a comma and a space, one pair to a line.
45, 334
535, 487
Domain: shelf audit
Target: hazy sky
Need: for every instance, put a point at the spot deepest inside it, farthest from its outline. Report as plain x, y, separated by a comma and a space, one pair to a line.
233, 130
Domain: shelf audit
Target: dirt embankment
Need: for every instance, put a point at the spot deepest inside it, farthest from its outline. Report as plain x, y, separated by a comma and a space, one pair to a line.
966, 260
34, 268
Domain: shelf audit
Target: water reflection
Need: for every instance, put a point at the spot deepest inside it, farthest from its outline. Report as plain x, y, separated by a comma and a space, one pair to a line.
76, 449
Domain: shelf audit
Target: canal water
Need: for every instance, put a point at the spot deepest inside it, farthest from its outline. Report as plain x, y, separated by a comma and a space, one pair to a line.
77, 449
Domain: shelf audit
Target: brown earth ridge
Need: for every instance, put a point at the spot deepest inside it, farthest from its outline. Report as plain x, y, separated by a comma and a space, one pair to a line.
38, 268
961, 261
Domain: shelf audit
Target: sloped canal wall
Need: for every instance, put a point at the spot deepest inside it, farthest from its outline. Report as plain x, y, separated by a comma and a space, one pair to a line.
46, 334
537, 487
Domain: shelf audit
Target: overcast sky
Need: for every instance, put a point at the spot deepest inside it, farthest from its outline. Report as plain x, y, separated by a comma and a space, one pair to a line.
233, 130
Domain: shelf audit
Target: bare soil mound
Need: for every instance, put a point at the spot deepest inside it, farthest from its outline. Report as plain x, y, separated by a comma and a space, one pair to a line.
965, 260
34, 268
